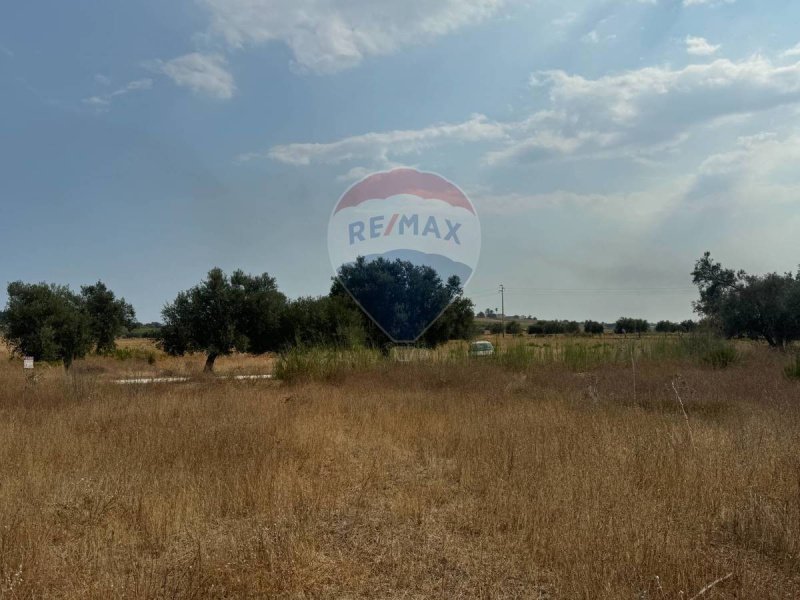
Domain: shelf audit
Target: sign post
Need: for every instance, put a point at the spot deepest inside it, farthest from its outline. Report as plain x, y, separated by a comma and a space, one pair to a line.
27, 366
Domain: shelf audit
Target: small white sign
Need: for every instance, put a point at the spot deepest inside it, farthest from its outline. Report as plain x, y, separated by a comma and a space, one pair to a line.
27, 362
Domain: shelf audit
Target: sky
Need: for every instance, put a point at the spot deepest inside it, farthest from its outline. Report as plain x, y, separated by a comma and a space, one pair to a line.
606, 144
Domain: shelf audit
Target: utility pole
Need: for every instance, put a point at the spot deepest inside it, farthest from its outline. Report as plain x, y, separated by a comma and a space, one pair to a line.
503, 308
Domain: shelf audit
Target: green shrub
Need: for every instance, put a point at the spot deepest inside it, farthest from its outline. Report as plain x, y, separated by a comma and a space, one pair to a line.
516, 357
319, 363
123, 354
135, 354
711, 350
582, 357
721, 357
792, 370
513, 328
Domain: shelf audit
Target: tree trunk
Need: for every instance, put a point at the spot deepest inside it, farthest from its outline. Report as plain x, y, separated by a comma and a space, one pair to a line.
210, 362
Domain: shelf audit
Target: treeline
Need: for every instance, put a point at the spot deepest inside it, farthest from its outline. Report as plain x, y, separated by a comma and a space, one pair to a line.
241, 312
514, 327
554, 327
144, 331
682, 327
248, 313
622, 326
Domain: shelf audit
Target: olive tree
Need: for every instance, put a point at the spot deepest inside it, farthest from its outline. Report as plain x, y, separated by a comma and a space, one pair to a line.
48, 322
223, 314
109, 317
754, 306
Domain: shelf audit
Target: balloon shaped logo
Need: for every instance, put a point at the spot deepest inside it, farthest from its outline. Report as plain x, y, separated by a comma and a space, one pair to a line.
404, 243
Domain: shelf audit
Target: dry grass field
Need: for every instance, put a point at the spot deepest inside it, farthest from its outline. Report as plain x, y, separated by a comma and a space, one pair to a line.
402, 480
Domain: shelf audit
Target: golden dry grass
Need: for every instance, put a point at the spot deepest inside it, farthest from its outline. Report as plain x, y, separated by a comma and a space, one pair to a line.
136, 363
404, 481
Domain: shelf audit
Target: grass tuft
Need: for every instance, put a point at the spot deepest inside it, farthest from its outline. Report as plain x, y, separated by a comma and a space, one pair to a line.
792, 370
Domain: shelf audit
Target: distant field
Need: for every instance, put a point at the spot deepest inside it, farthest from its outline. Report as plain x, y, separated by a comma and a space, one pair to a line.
141, 358
532, 475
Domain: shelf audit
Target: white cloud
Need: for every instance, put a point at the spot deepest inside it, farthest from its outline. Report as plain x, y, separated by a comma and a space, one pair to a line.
655, 104
202, 73
103, 101
636, 114
756, 157
791, 52
326, 36
707, 2
723, 87
699, 46
565, 19
593, 37
358, 173
379, 146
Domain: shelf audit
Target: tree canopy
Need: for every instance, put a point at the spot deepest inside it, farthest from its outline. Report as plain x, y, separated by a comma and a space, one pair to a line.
631, 325
48, 322
223, 314
401, 298
324, 321
108, 317
593, 327
754, 306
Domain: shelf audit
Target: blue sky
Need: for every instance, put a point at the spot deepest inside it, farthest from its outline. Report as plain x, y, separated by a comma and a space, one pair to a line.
605, 144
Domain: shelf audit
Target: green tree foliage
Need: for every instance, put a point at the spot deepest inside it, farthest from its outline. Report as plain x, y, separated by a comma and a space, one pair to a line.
456, 323
668, 327
108, 317
334, 321
405, 299
513, 328
754, 306
258, 306
714, 282
593, 327
48, 322
629, 325
571, 327
150, 331
221, 315
689, 326
496, 328
554, 327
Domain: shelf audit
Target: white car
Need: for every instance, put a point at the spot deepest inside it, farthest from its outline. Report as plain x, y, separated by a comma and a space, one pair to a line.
481, 348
